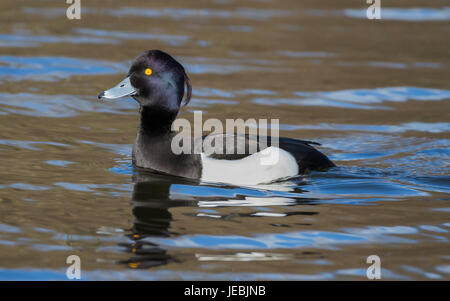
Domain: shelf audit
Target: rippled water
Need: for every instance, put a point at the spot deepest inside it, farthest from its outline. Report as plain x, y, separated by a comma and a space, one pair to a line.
375, 94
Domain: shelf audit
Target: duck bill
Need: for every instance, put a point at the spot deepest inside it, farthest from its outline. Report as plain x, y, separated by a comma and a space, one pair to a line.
122, 89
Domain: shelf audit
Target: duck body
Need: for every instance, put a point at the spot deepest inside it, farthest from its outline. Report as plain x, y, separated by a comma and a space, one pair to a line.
157, 82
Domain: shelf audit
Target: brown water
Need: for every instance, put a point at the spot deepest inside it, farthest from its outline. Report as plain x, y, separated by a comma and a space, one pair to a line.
374, 93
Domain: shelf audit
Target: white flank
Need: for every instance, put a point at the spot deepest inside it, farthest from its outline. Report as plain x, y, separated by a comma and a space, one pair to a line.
249, 170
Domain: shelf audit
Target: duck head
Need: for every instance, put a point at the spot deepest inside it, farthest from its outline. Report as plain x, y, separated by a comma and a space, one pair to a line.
156, 81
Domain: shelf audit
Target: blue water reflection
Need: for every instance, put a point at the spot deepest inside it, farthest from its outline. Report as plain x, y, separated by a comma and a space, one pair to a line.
418, 14
359, 98
415, 14
184, 13
53, 68
60, 106
14, 40
173, 40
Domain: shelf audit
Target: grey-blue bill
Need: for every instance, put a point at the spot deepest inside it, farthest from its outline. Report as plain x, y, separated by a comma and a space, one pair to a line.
124, 88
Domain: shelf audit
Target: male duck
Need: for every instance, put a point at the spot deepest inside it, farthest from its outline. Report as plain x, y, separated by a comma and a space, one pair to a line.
157, 82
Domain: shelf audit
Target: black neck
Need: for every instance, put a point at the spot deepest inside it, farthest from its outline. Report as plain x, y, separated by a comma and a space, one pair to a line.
156, 121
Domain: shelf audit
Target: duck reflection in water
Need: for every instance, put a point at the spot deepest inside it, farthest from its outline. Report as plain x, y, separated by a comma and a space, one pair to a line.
154, 194
150, 206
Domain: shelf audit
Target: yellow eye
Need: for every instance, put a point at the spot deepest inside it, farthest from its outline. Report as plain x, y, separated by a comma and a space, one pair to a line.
148, 71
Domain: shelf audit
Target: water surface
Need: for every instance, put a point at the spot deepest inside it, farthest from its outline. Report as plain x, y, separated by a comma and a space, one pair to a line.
375, 94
